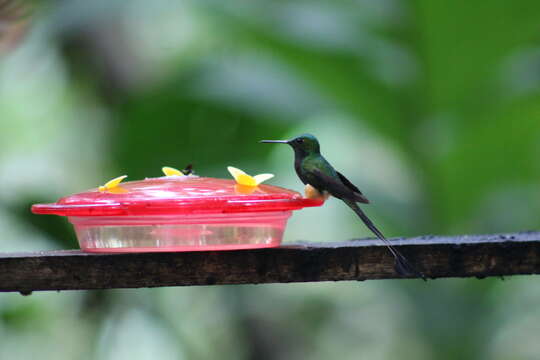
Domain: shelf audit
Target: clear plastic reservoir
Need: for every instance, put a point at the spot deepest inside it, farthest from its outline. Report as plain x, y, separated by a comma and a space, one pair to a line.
180, 233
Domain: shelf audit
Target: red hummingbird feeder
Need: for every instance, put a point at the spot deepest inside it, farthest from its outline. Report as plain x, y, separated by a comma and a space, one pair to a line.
179, 213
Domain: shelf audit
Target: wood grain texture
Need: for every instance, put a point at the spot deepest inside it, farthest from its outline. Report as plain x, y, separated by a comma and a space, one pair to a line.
436, 256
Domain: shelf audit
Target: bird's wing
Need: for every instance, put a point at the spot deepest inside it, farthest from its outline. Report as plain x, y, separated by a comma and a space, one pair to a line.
353, 187
337, 188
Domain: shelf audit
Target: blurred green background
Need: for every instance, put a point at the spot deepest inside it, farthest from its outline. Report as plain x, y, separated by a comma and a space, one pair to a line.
431, 107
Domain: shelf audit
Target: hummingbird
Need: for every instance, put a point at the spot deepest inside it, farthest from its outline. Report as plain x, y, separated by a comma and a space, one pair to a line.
315, 171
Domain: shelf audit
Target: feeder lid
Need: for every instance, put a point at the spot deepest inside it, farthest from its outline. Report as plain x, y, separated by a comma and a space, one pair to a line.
177, 195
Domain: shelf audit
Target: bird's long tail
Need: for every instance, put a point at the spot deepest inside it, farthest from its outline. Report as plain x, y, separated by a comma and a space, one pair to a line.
402, 265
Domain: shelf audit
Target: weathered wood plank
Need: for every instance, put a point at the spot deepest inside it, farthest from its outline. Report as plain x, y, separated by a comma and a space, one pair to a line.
436, 256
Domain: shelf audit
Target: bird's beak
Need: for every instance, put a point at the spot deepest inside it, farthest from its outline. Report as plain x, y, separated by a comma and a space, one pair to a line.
275, 141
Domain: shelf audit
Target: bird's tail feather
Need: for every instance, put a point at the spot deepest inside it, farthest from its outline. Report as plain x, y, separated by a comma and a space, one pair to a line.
402, 265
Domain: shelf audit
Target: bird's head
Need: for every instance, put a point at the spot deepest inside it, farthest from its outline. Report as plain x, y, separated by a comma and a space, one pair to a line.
303, 144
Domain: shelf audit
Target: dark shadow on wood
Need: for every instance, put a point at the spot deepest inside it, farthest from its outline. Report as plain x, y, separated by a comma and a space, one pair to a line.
436, 256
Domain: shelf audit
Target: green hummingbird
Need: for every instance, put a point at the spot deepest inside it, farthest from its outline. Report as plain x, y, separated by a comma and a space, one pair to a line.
313, 169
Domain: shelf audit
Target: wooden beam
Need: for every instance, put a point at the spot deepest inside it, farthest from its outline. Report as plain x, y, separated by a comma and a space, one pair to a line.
436, 256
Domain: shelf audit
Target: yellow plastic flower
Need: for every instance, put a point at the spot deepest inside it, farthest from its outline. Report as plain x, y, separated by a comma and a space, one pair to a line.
169, 171
247, 180
111, 184
245, 190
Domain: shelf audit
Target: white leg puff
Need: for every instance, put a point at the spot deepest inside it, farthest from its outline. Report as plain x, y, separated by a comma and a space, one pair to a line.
312, 193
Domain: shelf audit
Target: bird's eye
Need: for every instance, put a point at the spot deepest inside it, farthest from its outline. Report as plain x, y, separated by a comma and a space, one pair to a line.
300, 141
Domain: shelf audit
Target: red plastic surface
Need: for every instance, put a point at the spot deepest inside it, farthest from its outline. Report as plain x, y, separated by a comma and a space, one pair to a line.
177, 195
